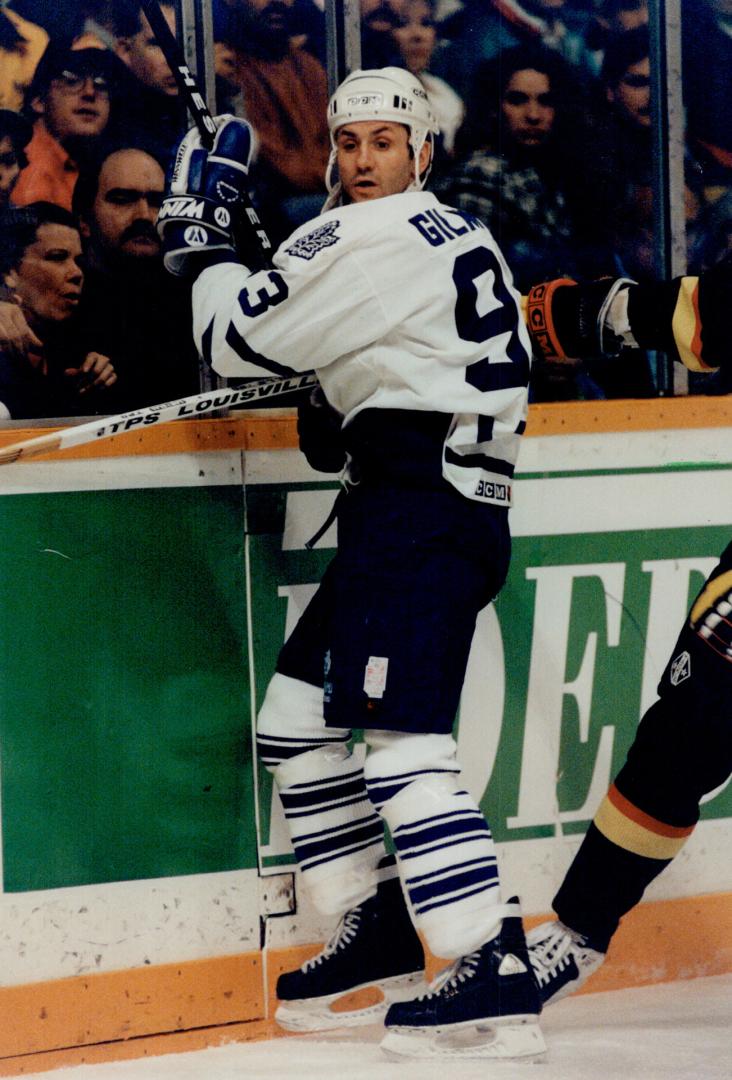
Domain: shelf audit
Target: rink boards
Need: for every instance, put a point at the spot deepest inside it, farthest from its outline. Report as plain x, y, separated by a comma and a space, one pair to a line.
144, 593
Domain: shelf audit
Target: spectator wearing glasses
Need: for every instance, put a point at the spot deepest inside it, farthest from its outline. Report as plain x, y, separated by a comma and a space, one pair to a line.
71, 99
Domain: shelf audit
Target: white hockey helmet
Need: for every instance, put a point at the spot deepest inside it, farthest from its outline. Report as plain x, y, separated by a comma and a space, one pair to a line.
388, 93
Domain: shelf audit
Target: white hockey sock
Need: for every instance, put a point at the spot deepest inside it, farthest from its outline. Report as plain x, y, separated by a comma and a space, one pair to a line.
337, 836
446, 854
291, 721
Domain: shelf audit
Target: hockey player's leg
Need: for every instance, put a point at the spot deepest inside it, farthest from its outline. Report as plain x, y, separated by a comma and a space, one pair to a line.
338, 840
486, 1004
682, 750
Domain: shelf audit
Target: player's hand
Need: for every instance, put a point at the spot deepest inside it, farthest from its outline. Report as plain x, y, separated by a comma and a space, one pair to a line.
95, 371
206, 196
319, 429
16, 337
568, 321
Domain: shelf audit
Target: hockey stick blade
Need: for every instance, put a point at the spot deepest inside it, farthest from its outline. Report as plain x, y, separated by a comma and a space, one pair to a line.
182, 409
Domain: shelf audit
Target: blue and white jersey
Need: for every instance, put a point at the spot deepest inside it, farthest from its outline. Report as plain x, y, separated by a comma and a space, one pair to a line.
400, 303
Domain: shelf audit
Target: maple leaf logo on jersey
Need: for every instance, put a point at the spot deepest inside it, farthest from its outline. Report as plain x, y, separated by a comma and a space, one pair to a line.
309, 245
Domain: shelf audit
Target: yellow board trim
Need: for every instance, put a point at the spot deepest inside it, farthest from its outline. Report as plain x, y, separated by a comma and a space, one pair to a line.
178, 1007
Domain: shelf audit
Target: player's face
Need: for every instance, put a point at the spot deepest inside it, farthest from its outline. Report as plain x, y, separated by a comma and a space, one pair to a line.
9, 168
415, 34
633, 92
75, 105
374, 159
146, 59
47, 283
131, 185
528, 107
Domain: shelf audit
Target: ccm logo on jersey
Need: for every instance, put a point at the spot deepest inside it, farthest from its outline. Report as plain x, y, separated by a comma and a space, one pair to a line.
185, 207
488, 489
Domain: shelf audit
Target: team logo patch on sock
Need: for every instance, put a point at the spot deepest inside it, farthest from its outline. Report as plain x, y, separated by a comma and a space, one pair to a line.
308, 246
680, 668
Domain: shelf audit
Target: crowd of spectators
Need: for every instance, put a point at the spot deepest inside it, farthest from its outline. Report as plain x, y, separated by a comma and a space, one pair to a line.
546, 134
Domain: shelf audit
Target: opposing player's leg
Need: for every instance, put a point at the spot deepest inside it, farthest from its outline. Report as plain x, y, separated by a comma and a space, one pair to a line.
338, 840
682, 750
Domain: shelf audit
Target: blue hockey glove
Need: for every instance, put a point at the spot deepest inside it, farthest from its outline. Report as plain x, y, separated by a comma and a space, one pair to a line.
207, 197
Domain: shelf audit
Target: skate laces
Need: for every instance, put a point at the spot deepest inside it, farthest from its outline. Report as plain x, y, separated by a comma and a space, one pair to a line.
344, 935
551, 953
459, 971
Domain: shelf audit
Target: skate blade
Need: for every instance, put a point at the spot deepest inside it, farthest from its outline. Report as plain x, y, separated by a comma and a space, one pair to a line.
509, 1040
317, 1014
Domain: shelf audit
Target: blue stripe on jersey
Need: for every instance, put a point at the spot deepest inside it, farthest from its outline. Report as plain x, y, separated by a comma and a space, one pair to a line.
240, 347
480, 461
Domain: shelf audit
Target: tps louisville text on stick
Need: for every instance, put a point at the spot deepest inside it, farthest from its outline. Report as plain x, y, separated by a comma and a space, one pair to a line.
183, 408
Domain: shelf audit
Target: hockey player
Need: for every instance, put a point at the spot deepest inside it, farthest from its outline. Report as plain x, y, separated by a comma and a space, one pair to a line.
406, 310
683, 746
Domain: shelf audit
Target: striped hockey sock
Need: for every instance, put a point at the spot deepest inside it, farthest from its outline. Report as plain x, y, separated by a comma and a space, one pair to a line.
446, 854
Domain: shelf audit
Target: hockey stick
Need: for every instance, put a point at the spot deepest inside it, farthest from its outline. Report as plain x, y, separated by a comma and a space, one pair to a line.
183, 408
252, 234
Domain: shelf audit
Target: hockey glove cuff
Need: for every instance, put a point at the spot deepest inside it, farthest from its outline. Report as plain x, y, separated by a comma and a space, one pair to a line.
571, 321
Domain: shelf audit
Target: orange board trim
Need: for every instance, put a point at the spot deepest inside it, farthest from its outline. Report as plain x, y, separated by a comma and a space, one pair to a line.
276, 429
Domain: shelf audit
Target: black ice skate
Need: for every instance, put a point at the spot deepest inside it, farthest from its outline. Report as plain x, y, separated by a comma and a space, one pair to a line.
375, 945
486, 1005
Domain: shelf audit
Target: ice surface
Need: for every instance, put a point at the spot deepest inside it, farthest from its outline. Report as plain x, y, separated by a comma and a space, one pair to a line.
674, 1031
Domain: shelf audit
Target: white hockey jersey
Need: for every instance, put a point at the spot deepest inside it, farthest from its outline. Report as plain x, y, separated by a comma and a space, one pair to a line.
399, 303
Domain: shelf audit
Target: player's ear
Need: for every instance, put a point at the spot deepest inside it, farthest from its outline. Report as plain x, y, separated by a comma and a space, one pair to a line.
425, 155
10, 279
38, 106
84, 229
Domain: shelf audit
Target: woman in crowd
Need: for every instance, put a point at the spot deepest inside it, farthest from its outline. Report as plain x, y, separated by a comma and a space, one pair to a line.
40, 265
